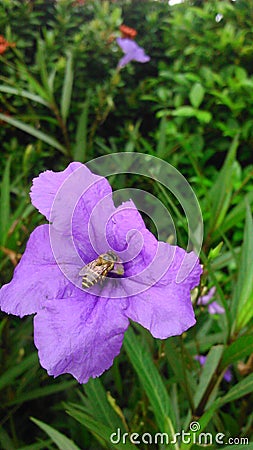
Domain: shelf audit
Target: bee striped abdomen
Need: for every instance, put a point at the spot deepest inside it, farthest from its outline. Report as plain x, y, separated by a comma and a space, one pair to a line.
98, 269
92, 277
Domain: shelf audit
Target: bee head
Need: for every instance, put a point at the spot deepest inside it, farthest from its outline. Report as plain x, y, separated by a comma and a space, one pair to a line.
111, 256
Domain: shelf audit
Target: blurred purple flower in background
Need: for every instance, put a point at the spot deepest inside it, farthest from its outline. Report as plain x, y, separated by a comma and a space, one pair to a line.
214, 307
132, 52
227, 375
81, 331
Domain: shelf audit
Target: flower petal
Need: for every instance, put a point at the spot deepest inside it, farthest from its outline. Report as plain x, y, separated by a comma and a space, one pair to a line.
46, 185
127, 45
165, 308
79, 337
36, 278
163, 311
125, 60
215, 308
133, 52
206, 298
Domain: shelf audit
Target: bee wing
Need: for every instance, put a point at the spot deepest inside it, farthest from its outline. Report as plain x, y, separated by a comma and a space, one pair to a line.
88, 267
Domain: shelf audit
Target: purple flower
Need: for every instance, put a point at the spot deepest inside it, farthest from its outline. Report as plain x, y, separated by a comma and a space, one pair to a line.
214, 307
227, 375
132, 52
77, 330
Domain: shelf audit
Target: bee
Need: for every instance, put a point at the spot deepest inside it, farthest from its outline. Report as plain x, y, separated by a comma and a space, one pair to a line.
98, 269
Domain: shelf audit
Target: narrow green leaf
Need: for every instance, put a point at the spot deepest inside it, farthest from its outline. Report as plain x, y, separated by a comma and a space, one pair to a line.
209, 368
239, 349
238, 446
111, 436
151, 382
98, 405
62, 442
34, 84
196, 95
236, 215
11, 374
242, 388
203, 421
42, 392
80, 149
42, 445
33, 132
23, 93
221, 191
161, 144
243, 296
51, 78
67, 87
5, 203
41, 52
6, 442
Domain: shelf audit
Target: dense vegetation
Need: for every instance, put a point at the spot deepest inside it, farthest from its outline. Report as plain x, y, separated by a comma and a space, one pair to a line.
62, 100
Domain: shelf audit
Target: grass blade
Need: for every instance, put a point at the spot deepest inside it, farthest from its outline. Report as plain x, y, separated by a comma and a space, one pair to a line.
67, 87
62, 442
5, 203
243, 296
151, 382
80, 149
11, 374
23, 93
33, 132
100, 430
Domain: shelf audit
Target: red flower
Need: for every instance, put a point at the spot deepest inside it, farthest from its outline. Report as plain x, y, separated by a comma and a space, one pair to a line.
5, 44
78, 3
127, 32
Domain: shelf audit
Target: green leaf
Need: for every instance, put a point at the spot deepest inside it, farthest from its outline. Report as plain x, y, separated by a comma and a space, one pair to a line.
151, 382
34, 84
242, 388
204, 116
239, 349
80, 149
184, 111
11, 374
209, 368
221, 191
239, 447
215, 252
62, 442
41, 52
45, 445
42, 392
34, 132
101, 430
196, 95
242, 302
23, 93
235, 216
97, 404
5, 441
67, 87
161, 144
5, 203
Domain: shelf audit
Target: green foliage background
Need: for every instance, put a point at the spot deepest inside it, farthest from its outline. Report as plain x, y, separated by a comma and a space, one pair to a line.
62, 99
